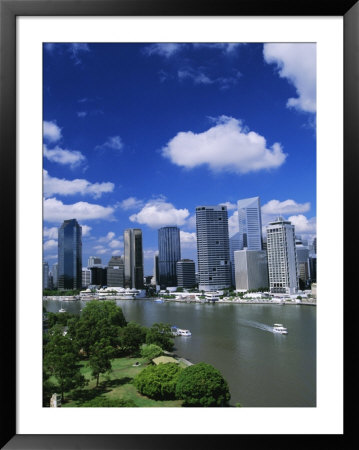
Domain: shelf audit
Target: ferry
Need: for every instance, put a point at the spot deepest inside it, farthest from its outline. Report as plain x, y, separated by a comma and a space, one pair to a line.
180, 332
278, 328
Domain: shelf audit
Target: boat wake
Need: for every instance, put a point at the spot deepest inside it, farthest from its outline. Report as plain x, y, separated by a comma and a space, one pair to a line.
259, 325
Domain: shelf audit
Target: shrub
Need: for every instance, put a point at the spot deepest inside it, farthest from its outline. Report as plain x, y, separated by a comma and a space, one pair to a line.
202, 385
150, 351
158, 382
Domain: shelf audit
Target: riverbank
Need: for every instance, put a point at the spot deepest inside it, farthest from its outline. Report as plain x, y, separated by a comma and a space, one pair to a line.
181, 300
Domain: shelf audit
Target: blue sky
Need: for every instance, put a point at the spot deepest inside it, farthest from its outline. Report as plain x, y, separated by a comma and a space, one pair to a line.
138, 135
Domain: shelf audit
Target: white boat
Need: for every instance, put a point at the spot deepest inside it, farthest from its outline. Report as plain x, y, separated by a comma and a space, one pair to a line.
278, 328
62, 310
183, 332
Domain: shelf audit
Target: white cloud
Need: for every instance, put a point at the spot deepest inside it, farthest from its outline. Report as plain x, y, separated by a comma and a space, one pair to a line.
62, 186
51, 131
158, 213
149, 254
51, 233
113, 142
131, 203
53, 256
227, 146
82, 114
73, 158
233, 225
303, 225
289, 206
227, 47
199, 77
188, 240
109, 236
86, 230
116, 243
297, 63
50, 244
165, 49
56, 211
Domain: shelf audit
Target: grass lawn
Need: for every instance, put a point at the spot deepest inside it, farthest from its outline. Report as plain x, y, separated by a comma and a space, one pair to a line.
115, 386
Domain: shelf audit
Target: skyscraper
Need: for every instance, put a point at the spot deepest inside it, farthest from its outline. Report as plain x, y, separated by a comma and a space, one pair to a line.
251, 269
282, 257
156, 271
45, 275
233, 246
86, 277
213, 247
133, 258
250, 223
186, 273
70, 255
94, 261
115, 272
55, 275
169, 252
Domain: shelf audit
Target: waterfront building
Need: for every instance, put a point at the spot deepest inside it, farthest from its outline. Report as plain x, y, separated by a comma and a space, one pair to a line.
94, 261
156, 272
186, 273
133, 258
214, 266
234, 245
251, 269
86, 277
70, 255
282, 257
250, 223
115, 272
45, 275
55, 275
313, 267
169, 252
303, 264
98, 276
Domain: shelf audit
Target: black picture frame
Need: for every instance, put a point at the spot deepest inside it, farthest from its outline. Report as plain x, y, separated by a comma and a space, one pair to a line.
9, 10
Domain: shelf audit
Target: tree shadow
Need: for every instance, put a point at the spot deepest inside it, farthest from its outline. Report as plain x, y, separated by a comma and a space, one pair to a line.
85, 395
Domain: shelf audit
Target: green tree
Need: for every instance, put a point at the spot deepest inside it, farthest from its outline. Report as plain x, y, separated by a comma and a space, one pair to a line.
161, 335
202, 385
99, 320
61, 361
150, 351
158, 382
100, 360
131, 338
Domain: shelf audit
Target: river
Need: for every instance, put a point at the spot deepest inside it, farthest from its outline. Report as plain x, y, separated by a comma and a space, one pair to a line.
262, 368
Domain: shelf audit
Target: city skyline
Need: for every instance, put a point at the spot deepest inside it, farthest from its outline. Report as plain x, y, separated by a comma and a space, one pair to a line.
117, 124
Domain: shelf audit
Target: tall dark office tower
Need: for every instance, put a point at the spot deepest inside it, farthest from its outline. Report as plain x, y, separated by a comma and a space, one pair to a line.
133, 258
186, 273
70, 255
99, 276
115, 272
213, 247
169, 252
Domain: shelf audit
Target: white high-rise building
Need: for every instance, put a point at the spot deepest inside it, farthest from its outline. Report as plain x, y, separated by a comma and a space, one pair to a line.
55, 275
251, 269
250, 223
86, 277
213, 247
282, 257
94, 261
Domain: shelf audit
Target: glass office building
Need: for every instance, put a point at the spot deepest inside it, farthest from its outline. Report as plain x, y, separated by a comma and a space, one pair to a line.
250, 224
214, 265
169, 252
70, 255
133, 258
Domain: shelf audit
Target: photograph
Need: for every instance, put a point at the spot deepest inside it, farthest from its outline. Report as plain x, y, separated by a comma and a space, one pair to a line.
179, 184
